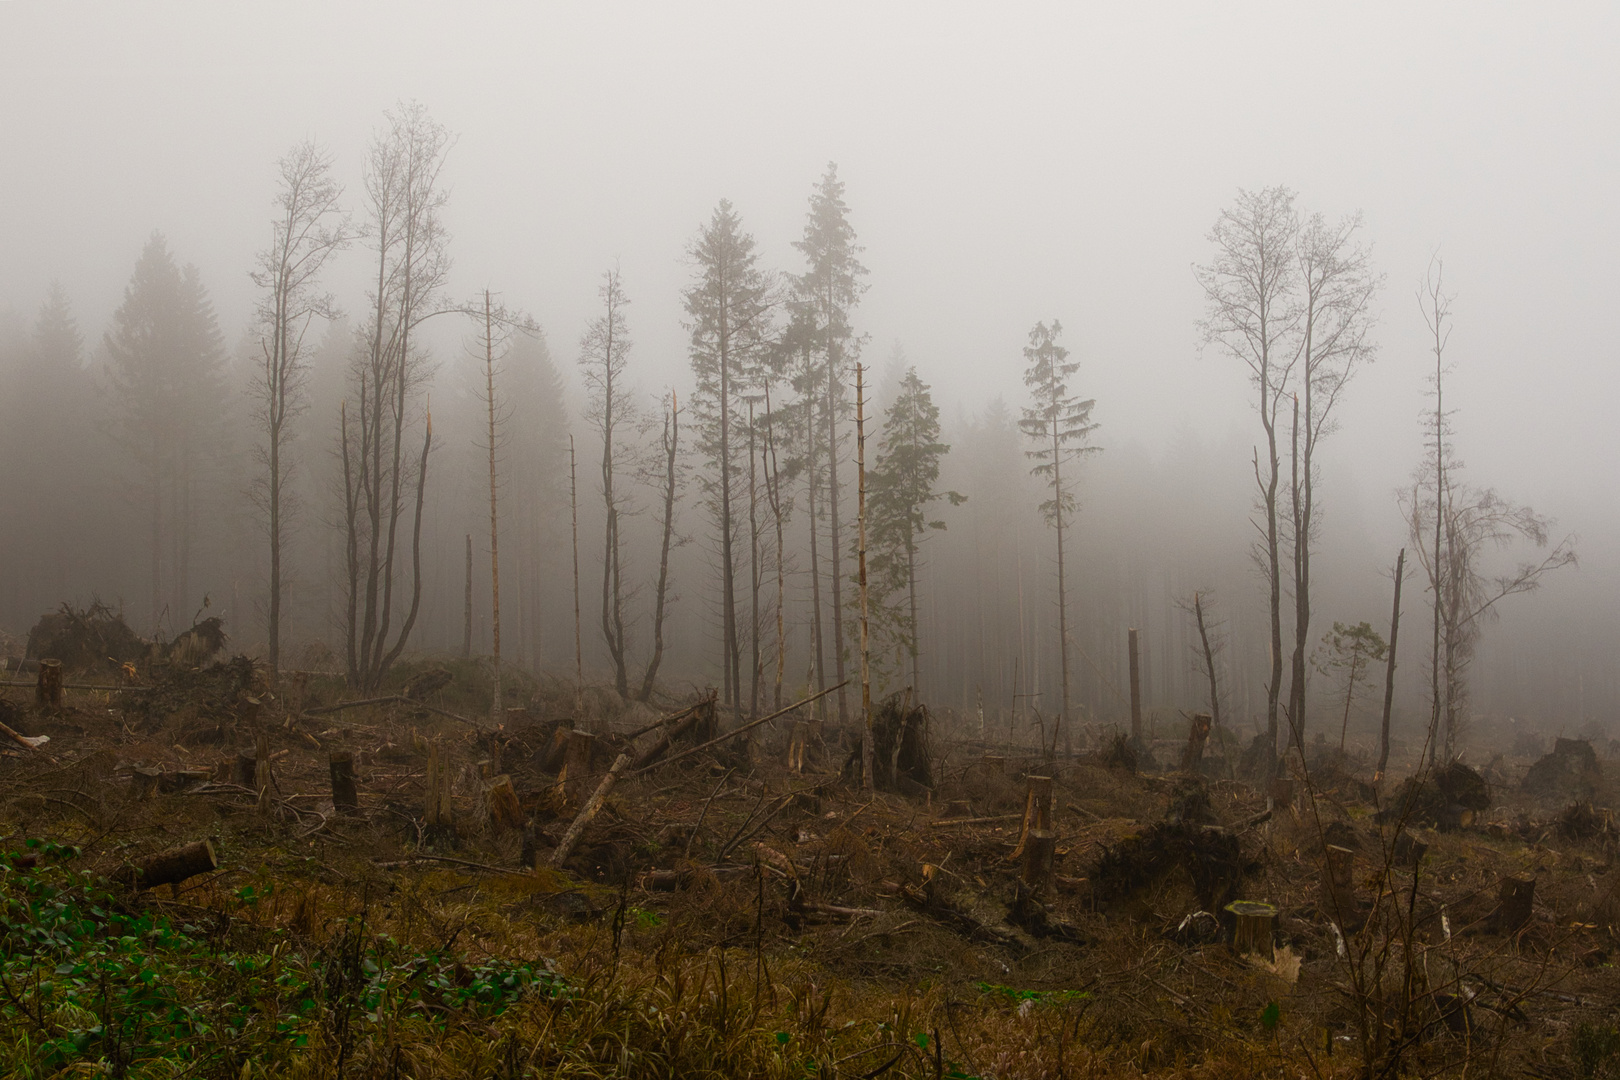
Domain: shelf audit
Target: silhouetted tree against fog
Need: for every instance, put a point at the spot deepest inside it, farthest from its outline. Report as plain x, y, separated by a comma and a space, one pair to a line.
1452, 525
1059, 424
308, 229
669, 459
165, 366
609, 404
730, 311
901, 488
1336, 287
537, 453
387, 376
825, 294
1253, 313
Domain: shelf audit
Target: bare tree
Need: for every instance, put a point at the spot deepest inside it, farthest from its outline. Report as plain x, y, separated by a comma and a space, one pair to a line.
1252, 313
670, 444
860, 554
403, 200
1336, 288
1389, 668
1452, 525
309, 227
1060, 425
496, 326
603, 352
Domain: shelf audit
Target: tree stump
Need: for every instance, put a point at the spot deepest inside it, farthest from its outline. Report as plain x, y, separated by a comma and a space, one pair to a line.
1251, 935
243, 769
1281, 792
1409, 850
994, 765
1193, 756
1338, 886
143, 781
796, 743
169, 867
345, 796
1037, 810
1514, 902
48, 687
1040, 850
576, 772
557, 749
501, 799
438, 825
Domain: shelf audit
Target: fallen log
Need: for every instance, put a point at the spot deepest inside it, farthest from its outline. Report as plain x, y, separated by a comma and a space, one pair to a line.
951, 823
746, 727
169, 867
565, 847
32, 742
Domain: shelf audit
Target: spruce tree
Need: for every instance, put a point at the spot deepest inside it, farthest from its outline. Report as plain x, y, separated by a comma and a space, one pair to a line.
901, 488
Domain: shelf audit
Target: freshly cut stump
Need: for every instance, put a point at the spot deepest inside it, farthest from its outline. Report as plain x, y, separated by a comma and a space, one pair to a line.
170, 867
1252, 934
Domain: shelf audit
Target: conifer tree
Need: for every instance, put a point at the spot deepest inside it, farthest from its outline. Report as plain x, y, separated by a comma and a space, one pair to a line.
1059, 424
901, 488
729, 309
826, 294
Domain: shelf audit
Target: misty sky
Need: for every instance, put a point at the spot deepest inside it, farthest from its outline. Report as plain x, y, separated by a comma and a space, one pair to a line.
1004, 164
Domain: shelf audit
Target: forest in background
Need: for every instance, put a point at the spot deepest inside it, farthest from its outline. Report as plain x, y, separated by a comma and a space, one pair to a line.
135, 474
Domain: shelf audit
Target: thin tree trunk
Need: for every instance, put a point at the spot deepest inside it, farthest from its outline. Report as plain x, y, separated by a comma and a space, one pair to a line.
1209, 662
731, 661
612, 584
467, 606
832, 499
1296, 683
497, 705
1437, 574
817, 641
672, 438
773, 489
1063, 594
867, 734
1389, 669
753, 574
579, 637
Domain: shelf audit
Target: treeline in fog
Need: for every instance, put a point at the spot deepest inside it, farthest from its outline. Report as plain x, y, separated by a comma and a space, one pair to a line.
353, 477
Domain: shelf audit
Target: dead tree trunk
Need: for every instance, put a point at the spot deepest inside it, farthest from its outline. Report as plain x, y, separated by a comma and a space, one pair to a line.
867, 736
565, 847
466, 607
48, 686
345, 796
170, 867
1389, 669
672, 438
1136, 686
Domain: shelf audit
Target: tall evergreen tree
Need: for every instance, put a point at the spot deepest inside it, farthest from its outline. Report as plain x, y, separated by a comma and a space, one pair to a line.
826, 294
901, 488
729, 309
1059, 424
166, 356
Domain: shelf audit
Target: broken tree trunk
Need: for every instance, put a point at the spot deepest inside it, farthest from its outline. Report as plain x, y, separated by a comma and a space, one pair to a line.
345, 796
1037, 811
796, 743
1251, 936
1513, 904
661, 746
1040, 849
170, 867
439, 820
1338, 886
501, 799
565, 846
48, 687
1192, 757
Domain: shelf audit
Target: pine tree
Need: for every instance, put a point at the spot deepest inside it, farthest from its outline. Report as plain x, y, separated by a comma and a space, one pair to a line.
166, 356
729, 306
900, 490
1059, 423
825, 294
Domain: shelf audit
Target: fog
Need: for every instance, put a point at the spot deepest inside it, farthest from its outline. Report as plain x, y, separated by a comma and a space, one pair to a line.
1003, 165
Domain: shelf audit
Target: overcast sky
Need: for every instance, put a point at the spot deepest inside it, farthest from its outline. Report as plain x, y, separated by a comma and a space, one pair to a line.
1005, 163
